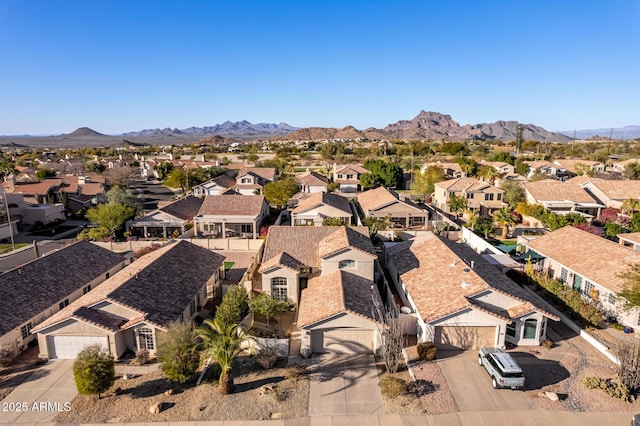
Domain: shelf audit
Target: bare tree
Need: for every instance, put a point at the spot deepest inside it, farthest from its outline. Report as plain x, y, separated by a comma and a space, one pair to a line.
391, 334
628, 355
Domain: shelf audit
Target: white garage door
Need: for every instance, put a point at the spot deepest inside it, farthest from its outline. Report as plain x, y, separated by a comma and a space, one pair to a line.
465, 337
342, 340
67, 347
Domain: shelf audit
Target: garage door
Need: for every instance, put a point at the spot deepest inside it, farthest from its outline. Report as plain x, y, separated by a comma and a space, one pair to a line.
342, 340
461, 337
67, 347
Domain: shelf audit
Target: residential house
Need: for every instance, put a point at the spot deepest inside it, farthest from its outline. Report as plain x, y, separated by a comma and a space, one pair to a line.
31, 214
382, 203
314, 208
222, 216
44, 192
38, 289
311, 182
630, 239
340, 313
622, 166
552, 170
611, 193
252, 181
294, 254
459, 300
480, 196
580, 167
170, 220
217, 186
562, 197
83, 191
591, 265
500, 166
451, 170
131, 308
348, 177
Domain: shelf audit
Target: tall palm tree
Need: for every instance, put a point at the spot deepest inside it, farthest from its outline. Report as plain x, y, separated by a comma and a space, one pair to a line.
224, 344
629, 206
504, 219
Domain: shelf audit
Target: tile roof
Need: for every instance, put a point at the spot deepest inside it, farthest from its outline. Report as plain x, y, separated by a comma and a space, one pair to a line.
440, 282
268, 173
311, 178
376, 198
345, 237
323, 198
455, 167
335, 293
232, 205
555, 190
224, 181
571, 165
302, 242
464, 184
595, 258
616, 189
38, 188
351, 168
32, 288
630, 236
101, 319
159, 286
185, 208
281, 259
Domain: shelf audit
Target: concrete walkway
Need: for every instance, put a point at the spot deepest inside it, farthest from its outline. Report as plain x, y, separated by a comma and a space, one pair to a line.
42, 396
344, 385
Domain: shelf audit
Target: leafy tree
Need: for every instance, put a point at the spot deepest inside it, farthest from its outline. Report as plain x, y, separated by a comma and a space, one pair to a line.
389, 174
120, 176
203, 174
631, 288
279, 192
575, 218
163, 170
93, 234
457, 204
489, 173
252, 158
634, 223
6, 167
94, 370
423, 183
177, 353
370, 181
452, 148
376, 224
95, 167
484, 226
584, 170
224, 344
332, 221
513, 193
612, 230
45, 173
590, 229
629, 206
554, 221
522, 168
126, 197
504, 157
234, 306
110, 216
332, 151
267, 306
504, 219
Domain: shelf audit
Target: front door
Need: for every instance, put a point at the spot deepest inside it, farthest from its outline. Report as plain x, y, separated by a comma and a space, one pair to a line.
577, 282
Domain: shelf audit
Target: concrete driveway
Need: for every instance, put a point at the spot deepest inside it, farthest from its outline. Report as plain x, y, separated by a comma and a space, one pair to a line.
42, 396
471, 385
344, 385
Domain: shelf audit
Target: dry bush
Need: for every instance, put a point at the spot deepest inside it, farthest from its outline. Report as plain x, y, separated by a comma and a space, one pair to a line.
392, 387
7, 355
296, 372
426, 351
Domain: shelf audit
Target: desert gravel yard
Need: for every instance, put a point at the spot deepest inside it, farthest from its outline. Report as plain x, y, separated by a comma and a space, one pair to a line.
287, 397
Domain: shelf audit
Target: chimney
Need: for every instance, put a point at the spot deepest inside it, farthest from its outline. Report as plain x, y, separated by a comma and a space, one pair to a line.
81, 180
11, 180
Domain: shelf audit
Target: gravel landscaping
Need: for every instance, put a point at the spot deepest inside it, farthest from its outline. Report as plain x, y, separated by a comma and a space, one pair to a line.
19, 371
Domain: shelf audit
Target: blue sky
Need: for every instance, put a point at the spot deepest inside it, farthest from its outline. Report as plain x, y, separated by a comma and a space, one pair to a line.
118, 66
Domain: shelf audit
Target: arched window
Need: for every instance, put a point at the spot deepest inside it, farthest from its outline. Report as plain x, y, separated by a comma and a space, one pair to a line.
530, 328
347, 264
279, 288
13, 206
145, 336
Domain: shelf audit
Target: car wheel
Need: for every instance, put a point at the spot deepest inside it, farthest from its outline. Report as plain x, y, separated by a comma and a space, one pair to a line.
494, 383
479, 360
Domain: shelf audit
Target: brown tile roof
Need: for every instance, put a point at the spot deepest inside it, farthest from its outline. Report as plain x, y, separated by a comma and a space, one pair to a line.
356, 168
336, 293
268, 173
323, 198
281, 259
311, 178
345, 237
464, 184
630, 236
302, 242
376, 198
224, 181
101, 319
232, 205
555, 190
455, 167
92, 189
617, 189
39, 188
595, 258
185, 208
571, 165
158, 286
440, 282
32, 288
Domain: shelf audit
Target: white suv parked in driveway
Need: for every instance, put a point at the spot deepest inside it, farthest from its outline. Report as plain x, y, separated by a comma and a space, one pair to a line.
504, 371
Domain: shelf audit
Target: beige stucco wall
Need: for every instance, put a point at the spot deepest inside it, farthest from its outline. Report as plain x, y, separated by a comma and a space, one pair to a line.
72, 327
292, 282
364, 263
320, 212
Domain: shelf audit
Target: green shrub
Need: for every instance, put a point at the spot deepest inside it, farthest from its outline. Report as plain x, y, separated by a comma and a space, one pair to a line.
176, 352
426, 351
234, 306
392, 387
94, 370
612, 388
617, 326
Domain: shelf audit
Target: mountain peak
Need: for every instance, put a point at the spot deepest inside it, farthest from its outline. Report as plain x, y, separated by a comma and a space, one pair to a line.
84, 131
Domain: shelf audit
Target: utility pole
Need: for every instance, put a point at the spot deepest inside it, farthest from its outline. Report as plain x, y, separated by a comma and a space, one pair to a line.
6, 206
609, 146
519, 130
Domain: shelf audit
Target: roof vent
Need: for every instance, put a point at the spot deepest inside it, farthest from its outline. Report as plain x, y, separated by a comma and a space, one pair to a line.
467, 270
465, 284
453, 264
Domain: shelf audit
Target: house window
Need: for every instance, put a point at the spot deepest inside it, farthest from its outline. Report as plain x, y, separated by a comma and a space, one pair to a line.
25, 330
64, 303
347, 264
499, 197
86, 289
192, 307
469, 195
451, 194
418, 220
107, 275
488, 197
279, 288
182, 317
530, 328
246, 228
587, 287
563, 275
511, 329
245, 180
612, 299
145, 337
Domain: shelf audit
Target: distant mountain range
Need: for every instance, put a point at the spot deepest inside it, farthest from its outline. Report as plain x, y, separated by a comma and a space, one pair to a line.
435, 126
238, 129
627, 132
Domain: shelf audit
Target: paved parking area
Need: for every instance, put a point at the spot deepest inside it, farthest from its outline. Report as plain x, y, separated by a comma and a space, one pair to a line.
344, 385
42, 395
471, 385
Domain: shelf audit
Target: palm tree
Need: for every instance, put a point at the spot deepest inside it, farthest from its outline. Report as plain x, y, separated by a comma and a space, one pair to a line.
629, 206
504, 219
474, 218
224, 344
